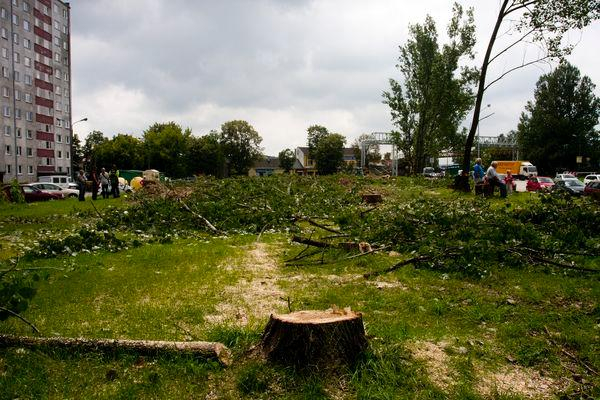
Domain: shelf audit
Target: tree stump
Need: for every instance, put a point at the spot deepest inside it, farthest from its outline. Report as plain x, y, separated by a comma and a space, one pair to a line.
372, 198
321, 339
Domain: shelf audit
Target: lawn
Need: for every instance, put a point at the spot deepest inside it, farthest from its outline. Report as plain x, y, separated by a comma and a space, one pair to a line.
514, 331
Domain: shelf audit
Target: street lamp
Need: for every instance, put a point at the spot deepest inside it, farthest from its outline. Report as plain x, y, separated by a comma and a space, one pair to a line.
72, 125
481, 119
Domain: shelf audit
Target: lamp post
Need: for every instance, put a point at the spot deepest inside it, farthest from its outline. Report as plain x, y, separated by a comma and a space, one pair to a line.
71, 147
481, 119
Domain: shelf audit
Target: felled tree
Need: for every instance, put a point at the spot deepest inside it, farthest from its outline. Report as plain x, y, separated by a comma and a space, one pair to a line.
541, 21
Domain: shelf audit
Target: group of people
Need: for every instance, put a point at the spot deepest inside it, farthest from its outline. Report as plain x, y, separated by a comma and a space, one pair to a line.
99, 181
487, 180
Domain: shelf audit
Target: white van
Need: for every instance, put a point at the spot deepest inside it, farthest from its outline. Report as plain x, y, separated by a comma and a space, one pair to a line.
61, 180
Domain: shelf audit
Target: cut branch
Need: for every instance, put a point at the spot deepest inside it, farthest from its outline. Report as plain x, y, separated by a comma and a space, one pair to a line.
208, 350
414, 260
14, 314
317, 224
200, 217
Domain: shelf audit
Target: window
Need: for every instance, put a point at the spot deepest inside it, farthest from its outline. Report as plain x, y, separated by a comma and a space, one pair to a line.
15, 3
68, 155
66, 76
18, 113
29, 151
4, 33
28, 79
58, 138
30, 169
17, 76
27, 61
48, 145
68, 141
57, 57
7, 150
56, 25
29, 133
56, 41
16, 38
57, 90
17, 57
27, 97
27, 43
57, 73
66, 60
19, 151
65, 45
26, 25
60, 169
15, 19
5, 72
4, 52
26, 7
45, 9
3, 13
59, 122
17, 94
6, 111
8, 168
29, 117
18, 133
59, 154
19, 169
7, 130
67, 124
58, 106
5, 91
65, 29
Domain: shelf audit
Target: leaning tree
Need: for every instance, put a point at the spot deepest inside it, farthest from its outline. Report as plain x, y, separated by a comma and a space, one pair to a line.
541, 21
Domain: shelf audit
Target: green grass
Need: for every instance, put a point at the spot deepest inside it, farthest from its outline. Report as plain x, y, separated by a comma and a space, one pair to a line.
525, 320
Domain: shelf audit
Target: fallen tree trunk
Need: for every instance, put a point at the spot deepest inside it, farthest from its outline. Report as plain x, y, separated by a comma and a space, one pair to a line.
208, 350
322, 339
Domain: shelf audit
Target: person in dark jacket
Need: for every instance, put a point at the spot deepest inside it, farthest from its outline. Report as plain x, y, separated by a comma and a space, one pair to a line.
114, 181
81, 185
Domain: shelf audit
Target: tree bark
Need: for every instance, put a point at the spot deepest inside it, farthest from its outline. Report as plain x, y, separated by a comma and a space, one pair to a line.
209, 350
309, 339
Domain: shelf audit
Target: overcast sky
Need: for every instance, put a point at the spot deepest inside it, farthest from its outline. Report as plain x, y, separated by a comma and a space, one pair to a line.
281, 65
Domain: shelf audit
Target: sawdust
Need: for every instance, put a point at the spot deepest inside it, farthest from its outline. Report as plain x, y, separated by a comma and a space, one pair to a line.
520, 381
436, 361
255, 297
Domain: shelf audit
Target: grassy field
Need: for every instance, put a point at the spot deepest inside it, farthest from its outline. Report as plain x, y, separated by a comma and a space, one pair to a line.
512, 333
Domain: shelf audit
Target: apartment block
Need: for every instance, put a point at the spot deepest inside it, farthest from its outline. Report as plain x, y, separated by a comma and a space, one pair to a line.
35, 89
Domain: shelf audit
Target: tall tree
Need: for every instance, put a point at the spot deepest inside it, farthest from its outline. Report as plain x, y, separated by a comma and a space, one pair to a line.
329, 153
165, 148
77, 156
315, 134
436, 93
125, 151
205, 155
241, 146
93, 139
540, 21
286, 160
558, 126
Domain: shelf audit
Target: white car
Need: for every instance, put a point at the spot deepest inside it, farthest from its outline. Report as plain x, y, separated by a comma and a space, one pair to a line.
560, 177
591, 178
52, 188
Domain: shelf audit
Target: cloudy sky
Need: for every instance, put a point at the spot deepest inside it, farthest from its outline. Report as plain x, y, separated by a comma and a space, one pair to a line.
281, 65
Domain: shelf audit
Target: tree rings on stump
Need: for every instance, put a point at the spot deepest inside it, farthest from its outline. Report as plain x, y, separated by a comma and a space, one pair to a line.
314, 338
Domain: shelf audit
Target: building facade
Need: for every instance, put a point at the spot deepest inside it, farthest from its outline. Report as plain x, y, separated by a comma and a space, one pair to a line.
35, 85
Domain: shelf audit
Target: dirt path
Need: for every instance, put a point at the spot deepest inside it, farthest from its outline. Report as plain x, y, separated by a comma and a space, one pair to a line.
255, 296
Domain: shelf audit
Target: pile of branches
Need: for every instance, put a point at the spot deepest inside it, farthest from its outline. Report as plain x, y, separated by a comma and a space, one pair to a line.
471, 236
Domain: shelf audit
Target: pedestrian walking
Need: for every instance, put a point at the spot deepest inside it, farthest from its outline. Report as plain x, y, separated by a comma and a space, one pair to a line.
104, 183
81, 185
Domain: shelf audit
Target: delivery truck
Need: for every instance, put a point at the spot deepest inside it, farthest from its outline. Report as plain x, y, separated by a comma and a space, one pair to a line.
520, 169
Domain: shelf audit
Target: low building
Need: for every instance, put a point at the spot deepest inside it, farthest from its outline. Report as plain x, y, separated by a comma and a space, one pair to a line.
268, 165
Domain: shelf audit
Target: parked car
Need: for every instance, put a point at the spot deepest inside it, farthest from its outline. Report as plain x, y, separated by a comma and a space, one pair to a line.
592, 189
63, 181
31, 194
536, 183
514, 184
591, 178
52, 188
572, 186
564, 176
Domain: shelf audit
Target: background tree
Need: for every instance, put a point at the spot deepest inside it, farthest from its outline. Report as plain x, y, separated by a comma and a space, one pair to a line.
436, 93
93, 139
125, 151
559, 124
286, 160
165, 148
329, 153
540, 21
315, 134
77, 156
241, 146
205, 155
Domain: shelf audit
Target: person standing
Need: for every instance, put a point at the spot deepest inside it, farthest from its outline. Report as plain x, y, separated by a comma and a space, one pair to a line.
95, 184
104, 183
81, 185
508, 181
114, 181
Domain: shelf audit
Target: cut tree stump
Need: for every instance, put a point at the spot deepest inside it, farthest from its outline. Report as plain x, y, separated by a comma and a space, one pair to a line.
208, 350
372, 198
320, 339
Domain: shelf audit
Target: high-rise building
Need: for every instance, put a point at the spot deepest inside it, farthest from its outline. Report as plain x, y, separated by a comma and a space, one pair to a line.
35, 89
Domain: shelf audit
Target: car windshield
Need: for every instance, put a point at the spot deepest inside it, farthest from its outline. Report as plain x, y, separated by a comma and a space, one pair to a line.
573, 182
545, 180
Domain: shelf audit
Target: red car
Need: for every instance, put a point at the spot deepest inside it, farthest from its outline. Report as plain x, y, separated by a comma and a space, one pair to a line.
32, 194
536, 183
592, 189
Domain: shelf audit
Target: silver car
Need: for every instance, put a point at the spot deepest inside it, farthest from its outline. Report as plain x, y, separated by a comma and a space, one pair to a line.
52, 188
